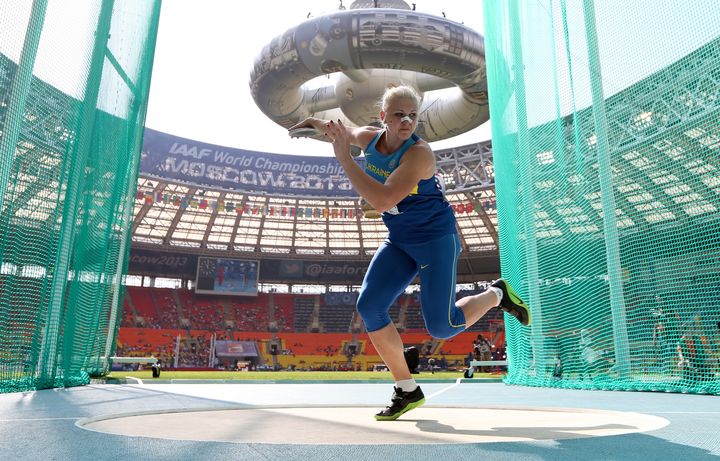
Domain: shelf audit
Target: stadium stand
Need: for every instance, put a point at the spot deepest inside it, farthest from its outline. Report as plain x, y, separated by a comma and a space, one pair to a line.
330, 244
283, 311
336, 318
187, 345
304, 307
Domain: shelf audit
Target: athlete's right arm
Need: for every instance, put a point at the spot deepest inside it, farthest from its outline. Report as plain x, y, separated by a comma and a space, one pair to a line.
358, 136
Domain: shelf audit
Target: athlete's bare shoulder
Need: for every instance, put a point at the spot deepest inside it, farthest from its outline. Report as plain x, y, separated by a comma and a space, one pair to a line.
422, 153
364, 134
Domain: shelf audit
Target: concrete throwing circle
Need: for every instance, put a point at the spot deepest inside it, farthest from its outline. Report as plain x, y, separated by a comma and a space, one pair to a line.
356, 426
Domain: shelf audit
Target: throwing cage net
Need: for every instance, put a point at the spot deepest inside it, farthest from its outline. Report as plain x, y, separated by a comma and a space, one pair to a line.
74, 80
606, 141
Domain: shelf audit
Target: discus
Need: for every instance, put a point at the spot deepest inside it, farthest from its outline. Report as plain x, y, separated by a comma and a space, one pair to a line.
304, 132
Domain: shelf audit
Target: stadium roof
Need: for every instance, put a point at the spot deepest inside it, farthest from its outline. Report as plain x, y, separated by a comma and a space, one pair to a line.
176, 216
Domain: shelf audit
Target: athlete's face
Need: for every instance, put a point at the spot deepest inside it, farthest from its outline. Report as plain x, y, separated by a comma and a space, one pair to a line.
400, 117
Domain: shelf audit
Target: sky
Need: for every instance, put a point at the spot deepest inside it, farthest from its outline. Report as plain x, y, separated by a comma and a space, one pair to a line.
204, 55
206, 49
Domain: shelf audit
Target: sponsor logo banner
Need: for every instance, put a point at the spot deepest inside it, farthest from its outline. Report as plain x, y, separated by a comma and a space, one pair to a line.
313, 271
341, 299
161, 263
194, 162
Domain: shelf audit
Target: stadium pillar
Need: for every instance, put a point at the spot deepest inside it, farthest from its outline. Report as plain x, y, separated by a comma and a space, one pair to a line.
531, 259
18, 93
74, 176
607, 196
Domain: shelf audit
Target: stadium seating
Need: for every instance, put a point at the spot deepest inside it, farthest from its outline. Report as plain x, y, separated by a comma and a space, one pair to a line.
304, 308
145, 306
184, 322
336, 318
284, 311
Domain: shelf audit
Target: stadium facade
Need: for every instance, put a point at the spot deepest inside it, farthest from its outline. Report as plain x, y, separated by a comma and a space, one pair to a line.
196, 199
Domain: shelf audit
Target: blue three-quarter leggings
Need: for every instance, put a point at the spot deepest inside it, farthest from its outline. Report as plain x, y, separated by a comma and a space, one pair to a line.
394, 267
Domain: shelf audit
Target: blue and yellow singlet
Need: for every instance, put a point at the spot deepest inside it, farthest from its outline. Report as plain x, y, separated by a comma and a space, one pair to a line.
423, 215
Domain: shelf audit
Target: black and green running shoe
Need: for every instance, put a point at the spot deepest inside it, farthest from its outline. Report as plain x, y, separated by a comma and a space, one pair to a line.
401, 402
512, 303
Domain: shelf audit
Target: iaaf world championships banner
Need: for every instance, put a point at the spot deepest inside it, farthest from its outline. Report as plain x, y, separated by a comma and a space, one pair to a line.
172, 157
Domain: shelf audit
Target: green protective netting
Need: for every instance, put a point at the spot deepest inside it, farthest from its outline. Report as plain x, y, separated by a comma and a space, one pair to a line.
606, 144
74, 80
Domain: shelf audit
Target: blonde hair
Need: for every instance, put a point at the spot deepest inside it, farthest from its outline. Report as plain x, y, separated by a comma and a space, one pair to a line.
400, 91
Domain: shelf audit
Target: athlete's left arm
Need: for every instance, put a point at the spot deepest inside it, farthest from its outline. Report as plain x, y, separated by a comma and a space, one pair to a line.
417, 163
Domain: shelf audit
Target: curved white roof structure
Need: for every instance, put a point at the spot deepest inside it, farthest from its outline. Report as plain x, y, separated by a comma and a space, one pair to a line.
369, 48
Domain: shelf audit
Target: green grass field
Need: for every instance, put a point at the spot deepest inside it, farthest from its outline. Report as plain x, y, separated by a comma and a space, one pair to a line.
288, 375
